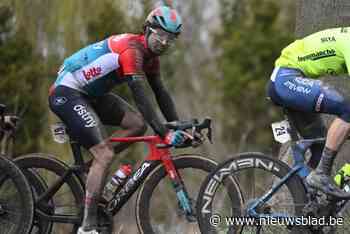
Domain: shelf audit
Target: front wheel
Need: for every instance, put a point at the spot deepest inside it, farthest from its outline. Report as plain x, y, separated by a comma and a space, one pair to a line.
157, 207
256, 174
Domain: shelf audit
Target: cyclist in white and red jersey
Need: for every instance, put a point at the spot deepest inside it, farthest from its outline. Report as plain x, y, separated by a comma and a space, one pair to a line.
80, 96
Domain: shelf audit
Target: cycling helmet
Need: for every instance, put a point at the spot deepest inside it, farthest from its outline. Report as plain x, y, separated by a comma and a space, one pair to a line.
165, 18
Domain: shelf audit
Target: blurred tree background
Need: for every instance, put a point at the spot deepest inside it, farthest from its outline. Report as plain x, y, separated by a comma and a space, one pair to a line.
22, 78
253, 33
219, 69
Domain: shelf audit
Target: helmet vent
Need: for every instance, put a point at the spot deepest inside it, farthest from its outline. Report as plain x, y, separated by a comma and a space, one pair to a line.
179, 27
165, 18
162, 19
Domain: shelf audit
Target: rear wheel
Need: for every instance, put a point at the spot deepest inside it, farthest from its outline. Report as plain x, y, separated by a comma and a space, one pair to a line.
16, 200
157, 206
37, 182
66, 204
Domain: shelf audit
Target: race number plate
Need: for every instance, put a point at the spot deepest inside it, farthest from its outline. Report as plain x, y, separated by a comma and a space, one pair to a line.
59, 133
281, 131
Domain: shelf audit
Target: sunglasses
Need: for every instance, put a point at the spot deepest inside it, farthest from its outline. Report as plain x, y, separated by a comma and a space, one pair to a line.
162, 36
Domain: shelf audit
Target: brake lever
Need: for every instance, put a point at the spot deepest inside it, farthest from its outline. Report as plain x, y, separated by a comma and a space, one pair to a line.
197, 137
193, 131
209, 135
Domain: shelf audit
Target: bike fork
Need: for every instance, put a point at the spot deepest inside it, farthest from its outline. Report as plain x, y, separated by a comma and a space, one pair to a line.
182, 195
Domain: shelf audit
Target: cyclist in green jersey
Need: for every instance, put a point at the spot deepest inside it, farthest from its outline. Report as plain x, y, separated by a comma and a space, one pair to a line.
294, 85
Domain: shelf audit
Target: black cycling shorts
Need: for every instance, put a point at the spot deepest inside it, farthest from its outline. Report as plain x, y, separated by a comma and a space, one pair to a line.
85, 116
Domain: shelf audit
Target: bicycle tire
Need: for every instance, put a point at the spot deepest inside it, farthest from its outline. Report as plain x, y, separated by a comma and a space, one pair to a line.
50, 163
294, 184
12, 171
156, 176
38, 185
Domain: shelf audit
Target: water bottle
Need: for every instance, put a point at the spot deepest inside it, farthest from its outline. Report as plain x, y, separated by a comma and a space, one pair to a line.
117, 181
342, 178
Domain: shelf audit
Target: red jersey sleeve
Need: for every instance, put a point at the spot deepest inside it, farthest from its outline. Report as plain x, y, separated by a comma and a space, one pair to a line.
131, 62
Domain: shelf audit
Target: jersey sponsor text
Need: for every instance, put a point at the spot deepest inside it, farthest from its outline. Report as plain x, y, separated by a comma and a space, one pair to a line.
85, 115
317, 55
92, 72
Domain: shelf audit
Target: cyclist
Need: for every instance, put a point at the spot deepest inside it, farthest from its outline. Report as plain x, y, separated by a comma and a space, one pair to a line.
80, 96
294, 85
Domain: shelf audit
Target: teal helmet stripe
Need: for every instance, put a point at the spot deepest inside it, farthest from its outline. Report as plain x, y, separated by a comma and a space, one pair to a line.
169, 19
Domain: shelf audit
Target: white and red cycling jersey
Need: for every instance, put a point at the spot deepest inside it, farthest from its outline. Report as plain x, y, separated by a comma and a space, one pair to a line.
95, 69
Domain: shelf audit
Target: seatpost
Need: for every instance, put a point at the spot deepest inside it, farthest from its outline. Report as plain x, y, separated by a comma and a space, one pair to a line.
76, 150
298, 150
293, 131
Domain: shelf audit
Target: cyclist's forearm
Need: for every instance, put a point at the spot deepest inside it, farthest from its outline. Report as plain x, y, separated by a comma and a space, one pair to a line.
167, 106
163, 98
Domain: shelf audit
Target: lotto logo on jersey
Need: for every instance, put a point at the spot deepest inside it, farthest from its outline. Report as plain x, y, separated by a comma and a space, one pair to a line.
92, 72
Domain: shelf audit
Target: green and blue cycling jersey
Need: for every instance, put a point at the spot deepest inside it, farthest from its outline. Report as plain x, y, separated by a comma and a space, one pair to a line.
321, 53
293, 84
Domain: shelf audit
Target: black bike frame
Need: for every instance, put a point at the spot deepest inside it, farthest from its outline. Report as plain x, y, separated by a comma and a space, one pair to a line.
80, 169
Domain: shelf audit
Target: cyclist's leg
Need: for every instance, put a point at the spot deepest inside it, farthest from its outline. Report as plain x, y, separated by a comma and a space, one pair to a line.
85, 126
338, 105
115, 111
103, 155
292, 90
333, 103
309, 125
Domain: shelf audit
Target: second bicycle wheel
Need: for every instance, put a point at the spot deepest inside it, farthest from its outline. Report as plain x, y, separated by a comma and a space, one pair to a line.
157, 208
16, 200
39, 187
60, 212
256, 175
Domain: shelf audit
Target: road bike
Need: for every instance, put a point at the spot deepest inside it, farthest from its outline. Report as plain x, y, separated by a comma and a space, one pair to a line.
167, 185
16, 198
275, 197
